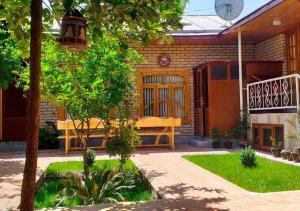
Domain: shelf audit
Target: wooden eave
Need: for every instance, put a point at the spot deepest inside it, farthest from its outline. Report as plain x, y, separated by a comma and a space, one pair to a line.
258, 26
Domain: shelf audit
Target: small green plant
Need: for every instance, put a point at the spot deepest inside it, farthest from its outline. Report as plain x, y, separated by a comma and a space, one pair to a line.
275, 142
240, 131
99, 187
227, 137
121, 145
216, 134
91, 157
248, 157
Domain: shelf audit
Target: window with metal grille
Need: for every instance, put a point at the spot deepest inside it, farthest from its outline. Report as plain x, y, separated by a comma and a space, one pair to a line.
164, 94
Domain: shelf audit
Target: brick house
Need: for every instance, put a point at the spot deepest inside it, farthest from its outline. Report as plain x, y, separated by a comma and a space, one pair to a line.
200, 80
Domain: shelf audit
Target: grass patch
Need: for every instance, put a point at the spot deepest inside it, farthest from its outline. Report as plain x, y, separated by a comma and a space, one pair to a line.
267, 176
64, 167
48, 194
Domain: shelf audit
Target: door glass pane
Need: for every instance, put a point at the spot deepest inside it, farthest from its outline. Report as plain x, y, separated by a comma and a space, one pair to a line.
219, 72
279, 134
148, 101
163, 99
255, 137
179, 102
267, 133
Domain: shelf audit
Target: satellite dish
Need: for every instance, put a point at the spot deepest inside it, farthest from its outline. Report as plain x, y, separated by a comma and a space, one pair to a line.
229, 9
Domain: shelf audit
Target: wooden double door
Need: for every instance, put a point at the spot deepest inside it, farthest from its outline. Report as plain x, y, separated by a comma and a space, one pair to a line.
14, 114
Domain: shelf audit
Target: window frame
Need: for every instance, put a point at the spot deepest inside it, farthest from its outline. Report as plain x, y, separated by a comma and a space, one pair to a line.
292, 47
185, 73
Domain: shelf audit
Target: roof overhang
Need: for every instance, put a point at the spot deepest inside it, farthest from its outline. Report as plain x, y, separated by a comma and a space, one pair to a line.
259, 25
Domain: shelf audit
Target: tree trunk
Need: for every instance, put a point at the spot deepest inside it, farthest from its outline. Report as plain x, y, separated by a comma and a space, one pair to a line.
33, 119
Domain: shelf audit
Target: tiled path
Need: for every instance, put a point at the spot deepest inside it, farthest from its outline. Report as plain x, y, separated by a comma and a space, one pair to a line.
184, 185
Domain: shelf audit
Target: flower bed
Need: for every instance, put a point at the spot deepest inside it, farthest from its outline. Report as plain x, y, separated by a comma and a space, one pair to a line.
49, 194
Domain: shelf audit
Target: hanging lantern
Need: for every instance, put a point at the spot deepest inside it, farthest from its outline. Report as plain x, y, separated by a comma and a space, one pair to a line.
73, 31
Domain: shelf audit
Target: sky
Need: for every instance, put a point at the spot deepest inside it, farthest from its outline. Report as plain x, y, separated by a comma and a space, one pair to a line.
206, 7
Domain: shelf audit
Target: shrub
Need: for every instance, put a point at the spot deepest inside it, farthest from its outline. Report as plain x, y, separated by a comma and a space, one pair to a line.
121, 145
248, 157
91, 157
48, 136
216, 134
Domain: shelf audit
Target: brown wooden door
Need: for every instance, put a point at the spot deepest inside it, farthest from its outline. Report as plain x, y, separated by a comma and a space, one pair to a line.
14, 114
200, 89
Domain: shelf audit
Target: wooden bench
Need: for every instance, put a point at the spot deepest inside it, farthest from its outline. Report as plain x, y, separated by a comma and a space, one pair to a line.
147, 126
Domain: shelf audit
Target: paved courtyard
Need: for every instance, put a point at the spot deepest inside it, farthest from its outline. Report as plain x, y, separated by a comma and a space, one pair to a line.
183, 185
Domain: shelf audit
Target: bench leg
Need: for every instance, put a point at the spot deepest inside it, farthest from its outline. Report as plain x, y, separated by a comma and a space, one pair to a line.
173, 138
67, 146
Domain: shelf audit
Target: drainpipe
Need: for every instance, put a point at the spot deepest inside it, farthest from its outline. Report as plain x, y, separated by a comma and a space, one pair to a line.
240, 70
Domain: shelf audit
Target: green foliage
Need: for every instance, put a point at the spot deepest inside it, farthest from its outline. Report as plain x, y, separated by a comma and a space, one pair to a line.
227, 136
100, 187
121, 145
240, 131
10, 57
127, 20
91, 157
48, 137
248, 157
216, 134
275, 142
267, 176
50, 193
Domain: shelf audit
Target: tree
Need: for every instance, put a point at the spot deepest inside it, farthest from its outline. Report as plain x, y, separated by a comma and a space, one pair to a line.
97, 82
128, 20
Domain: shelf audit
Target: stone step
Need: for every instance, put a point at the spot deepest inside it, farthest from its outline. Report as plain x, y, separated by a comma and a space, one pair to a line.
200, 143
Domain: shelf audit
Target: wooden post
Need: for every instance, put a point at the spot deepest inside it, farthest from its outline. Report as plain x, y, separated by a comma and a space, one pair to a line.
240, 71
67, 144
173, 137
1, 116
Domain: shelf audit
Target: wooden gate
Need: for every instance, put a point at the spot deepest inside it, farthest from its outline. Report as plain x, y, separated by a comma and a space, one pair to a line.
13, 114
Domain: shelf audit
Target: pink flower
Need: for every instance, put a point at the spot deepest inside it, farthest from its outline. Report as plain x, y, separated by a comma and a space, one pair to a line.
136, 118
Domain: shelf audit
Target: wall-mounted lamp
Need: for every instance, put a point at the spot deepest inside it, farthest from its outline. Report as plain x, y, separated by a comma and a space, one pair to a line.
276, 22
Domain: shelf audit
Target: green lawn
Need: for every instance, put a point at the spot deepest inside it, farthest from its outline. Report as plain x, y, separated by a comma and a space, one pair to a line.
268, 176
47, 194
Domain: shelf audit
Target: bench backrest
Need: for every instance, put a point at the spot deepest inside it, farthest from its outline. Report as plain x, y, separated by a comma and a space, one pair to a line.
68, 124
142, 123
158, 122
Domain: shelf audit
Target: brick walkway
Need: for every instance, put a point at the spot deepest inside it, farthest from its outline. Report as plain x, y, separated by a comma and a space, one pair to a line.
184, 185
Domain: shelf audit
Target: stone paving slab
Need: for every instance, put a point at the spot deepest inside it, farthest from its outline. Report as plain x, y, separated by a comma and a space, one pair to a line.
184, 185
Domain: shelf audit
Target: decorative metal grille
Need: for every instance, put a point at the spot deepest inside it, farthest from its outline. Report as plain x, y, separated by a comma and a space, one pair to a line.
277, 93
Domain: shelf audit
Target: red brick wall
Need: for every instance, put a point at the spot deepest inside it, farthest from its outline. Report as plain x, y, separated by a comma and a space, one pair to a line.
188, 56
273, 49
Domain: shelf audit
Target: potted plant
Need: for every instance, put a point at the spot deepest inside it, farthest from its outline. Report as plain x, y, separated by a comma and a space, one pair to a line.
276, 147
295, 156
289, 155
240, 131
216, 137
227, 140
283, 154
